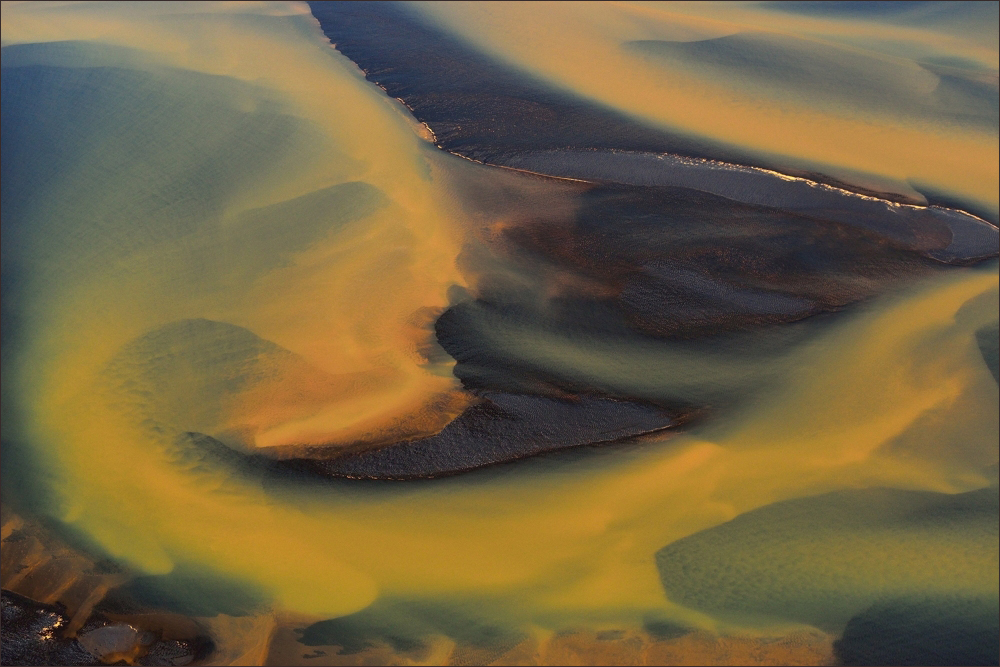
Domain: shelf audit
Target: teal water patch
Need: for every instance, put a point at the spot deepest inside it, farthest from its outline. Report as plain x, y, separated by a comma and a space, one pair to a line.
824, 559
73, 53
103, 162
931, 631
988, 340
190, 590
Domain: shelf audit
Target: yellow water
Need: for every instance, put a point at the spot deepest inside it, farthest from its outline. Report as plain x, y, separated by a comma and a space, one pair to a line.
854, 408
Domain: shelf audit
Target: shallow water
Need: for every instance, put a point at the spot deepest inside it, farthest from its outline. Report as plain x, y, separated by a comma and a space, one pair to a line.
219, 264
